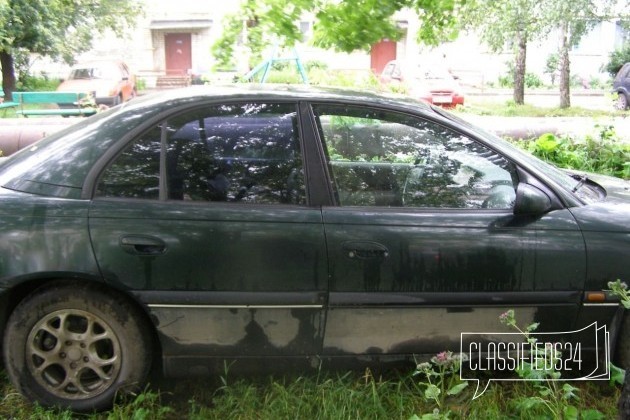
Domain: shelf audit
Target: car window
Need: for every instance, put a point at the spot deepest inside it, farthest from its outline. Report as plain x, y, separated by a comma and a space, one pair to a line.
388, 159
624, 72
248, 153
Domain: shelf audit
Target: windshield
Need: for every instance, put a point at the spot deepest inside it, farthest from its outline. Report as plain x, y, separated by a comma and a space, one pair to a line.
95, 72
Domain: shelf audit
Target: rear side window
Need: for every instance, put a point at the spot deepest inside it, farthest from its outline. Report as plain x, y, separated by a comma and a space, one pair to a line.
247, 153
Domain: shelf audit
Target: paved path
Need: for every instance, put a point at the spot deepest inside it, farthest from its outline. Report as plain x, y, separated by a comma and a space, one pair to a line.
529, 127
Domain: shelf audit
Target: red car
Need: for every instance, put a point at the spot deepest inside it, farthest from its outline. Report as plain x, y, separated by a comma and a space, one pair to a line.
111, 82
434, 85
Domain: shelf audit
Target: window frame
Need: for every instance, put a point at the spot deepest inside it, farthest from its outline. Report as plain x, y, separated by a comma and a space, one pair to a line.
516, 172
106, 161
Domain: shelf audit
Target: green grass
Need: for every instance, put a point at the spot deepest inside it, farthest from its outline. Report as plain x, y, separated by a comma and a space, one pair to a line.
327, 395
484, 106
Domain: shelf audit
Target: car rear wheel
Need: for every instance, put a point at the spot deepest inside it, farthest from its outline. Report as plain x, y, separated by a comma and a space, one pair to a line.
622, 101
622, 352
76, 347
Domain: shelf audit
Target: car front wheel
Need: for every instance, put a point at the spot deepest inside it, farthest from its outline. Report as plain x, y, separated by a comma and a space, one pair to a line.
76, 347
622, 101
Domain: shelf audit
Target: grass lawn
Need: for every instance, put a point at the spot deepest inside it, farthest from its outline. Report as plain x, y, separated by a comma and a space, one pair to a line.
334, 395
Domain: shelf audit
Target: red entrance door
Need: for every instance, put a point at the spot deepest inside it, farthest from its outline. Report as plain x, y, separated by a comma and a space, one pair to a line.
382, 52
178, 56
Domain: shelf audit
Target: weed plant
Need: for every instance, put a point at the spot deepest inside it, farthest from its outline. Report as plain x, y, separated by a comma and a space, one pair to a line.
602, 153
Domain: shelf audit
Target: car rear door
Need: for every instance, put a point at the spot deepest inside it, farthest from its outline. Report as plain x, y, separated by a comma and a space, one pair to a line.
424, 243
205, 217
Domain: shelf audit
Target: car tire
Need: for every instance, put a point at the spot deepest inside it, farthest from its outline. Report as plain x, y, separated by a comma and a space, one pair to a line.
74, 346
622, 353
622, 101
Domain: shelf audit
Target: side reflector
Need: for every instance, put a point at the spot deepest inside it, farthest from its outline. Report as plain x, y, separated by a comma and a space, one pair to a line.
595, 297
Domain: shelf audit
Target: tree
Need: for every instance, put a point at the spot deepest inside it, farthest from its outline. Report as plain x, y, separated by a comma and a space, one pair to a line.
344, 26
56, 28
507, 24
574, 19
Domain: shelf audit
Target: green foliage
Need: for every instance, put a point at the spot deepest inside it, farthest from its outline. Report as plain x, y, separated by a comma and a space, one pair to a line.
440, 378
141, 84
620, 289
144, 406
56, 28
344, 26
603, 153
552, 64
349, 395
501, 22
617, 59
330, 396
59, 28
319, 75
486, 106
532, 80
549, 397
27, 82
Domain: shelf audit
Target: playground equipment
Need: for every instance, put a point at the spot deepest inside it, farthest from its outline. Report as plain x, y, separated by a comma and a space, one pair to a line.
267, 64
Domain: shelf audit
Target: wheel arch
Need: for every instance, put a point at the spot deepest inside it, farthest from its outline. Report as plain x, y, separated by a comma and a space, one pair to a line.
12, 297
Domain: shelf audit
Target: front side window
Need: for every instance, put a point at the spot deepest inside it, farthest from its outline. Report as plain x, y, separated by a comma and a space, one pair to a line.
379, 158
247, 153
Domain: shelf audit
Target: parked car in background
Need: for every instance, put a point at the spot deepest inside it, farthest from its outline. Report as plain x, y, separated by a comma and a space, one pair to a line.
111, 82
433, 84
621, 86
277, 226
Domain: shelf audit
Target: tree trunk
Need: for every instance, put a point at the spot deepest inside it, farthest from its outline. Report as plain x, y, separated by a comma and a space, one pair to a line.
8, 75
565, 68
519, 69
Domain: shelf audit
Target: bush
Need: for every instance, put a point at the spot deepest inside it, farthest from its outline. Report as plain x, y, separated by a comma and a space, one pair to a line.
37, 83
617, 59
602, 153
532, 80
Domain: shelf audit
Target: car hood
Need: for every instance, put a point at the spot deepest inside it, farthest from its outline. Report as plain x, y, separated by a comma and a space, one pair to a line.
617, 190
612, 214
101, 87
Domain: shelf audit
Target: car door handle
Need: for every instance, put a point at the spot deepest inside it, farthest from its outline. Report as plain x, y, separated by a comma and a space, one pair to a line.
365, 250
142, 245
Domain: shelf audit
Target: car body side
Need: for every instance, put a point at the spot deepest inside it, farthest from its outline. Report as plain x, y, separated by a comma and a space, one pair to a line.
621, 87
34, 192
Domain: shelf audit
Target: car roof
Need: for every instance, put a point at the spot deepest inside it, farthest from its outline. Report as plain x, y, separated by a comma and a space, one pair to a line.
283, 92
96, 63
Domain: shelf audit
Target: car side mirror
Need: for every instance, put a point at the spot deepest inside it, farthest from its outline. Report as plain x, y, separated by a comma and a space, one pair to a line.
531, 200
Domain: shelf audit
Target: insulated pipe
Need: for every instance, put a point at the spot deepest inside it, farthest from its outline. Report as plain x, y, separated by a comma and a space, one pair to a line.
18, 133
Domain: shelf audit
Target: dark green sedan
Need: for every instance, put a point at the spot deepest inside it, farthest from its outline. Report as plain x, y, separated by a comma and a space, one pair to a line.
191, 227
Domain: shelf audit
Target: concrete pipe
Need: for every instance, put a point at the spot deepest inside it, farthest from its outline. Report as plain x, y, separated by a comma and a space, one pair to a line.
17, 133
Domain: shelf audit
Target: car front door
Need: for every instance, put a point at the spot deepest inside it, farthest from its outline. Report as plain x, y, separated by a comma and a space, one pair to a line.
424, 243
204, 217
